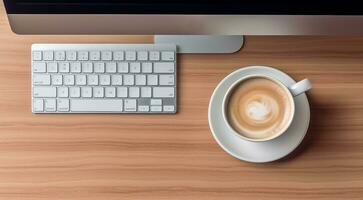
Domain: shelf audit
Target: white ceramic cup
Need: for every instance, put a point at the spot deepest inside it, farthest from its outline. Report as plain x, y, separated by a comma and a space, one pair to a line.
291, 90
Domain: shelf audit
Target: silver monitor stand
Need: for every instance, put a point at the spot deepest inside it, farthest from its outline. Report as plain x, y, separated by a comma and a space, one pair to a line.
203, 43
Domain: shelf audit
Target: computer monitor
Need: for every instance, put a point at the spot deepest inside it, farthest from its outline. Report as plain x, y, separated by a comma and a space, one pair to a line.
184, 17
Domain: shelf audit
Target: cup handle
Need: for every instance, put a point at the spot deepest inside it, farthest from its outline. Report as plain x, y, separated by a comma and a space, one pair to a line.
300, 87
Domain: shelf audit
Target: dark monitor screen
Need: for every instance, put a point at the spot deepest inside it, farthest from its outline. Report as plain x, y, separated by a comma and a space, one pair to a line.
226, 7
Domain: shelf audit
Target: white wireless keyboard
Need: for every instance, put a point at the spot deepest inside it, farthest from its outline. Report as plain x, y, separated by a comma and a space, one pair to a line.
103, 78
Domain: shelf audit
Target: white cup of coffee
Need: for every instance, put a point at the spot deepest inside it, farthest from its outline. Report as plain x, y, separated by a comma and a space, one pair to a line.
260, 108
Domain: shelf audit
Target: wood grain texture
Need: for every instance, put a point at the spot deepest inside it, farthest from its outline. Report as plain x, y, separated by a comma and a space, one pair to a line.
97, 157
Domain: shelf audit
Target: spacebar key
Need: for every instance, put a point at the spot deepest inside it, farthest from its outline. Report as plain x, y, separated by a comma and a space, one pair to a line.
86, 105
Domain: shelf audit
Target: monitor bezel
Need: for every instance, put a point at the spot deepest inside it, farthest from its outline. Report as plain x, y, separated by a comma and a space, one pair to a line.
256, 7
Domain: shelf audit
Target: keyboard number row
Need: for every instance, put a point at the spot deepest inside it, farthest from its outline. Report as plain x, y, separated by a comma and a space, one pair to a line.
100, 67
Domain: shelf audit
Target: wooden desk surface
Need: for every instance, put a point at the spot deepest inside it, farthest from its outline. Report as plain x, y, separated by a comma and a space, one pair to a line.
169, 157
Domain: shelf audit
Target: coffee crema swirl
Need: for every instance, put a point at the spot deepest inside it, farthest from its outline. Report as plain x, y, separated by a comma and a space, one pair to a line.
259, 108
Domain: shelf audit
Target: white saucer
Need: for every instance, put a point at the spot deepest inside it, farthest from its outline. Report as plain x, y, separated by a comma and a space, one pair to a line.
257, 152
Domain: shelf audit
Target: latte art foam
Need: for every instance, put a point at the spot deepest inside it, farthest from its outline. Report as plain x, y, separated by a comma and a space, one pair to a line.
259, 108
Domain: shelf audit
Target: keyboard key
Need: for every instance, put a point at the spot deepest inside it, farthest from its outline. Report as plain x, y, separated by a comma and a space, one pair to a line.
111, 67
116, 80
41, 79
164, 67
106, 55
87, 67
131, 55
169, 108
99, 67
110, 92
130, 105
123, 67
57, 79
146, 92
105, 80
128, 79
44, 92
76, 67
64, 67
122, 92
96, 105
75, 92
98, 92
163, 92
68, 80
92, 79
81, 79
147, 67
152, 79
86, 92
143, 108
60, 55
140, 80
168, 55
62, 92
134, 92
50, 105
95, 55
39, 67
155, 108
135, 67
63, 105
118, 55
142, 55
154, 55
83, 55
156, 102
166, 79
52, 67
71, 55
48, 55
37, 55
38, 105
